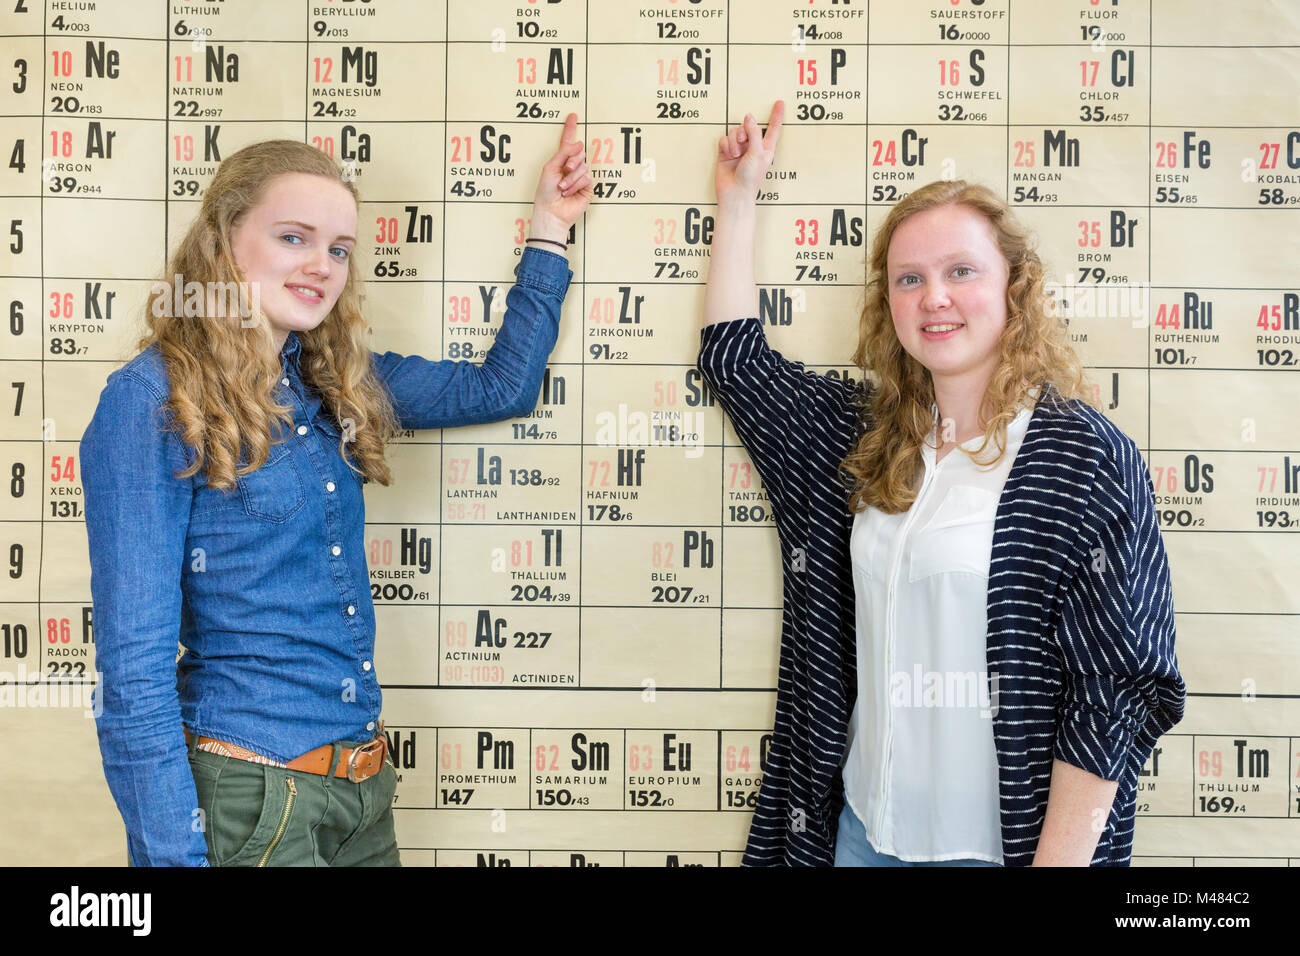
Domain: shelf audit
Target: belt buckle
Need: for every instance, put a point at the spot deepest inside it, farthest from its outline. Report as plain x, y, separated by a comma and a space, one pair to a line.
378, 744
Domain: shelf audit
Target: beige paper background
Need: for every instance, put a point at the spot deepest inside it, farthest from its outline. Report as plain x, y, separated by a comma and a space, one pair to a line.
595, 719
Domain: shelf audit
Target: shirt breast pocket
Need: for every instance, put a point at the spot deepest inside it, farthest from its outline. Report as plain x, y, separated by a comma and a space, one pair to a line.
333, 440
958, 538
275, 491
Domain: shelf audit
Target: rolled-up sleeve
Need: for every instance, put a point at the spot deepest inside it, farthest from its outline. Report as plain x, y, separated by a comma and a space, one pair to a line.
1121, 685
778, 407
137, 518
447, 393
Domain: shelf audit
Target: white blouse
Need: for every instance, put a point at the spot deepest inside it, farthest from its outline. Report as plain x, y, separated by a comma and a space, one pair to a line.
921, 771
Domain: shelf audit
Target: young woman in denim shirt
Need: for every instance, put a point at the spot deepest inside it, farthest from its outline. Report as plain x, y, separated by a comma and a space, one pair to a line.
223, 475
977, 647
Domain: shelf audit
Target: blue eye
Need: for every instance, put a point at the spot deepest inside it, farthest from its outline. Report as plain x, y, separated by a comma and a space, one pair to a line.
965, 269
291, 236
342, 250
903, 280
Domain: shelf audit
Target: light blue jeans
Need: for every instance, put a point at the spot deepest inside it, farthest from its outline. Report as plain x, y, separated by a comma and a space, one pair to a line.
852, 848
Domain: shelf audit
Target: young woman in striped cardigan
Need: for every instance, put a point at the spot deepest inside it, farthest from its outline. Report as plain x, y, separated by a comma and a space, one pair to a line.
977, 648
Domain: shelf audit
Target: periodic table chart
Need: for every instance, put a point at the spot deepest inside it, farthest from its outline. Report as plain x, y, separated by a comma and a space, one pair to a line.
579, 611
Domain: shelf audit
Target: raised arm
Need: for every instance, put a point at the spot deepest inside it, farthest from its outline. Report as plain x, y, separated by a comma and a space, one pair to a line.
744, 156
441, 394
786, 415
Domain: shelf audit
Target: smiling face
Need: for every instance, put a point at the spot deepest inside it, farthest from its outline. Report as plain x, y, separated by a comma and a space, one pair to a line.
295, 244
948, 293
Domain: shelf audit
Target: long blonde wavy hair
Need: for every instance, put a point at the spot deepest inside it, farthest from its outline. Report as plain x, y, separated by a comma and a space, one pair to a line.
1034, 347
224, 376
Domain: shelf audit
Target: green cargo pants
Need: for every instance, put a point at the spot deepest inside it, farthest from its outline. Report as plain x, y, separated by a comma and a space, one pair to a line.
257, 815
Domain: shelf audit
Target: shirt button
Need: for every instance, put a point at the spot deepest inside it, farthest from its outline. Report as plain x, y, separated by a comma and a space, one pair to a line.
336, 550
370, 725
284, 381
351, 610
302, 429
365, 665
329, 486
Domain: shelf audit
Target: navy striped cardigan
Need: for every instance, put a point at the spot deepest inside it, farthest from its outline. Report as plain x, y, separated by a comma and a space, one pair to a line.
1080, 610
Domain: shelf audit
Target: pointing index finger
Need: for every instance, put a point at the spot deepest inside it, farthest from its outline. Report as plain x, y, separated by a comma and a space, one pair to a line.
570, 132
774, 125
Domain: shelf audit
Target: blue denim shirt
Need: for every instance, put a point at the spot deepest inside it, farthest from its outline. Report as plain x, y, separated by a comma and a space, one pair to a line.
266, 585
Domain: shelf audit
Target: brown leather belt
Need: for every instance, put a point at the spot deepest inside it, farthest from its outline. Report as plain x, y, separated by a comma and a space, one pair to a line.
355, 763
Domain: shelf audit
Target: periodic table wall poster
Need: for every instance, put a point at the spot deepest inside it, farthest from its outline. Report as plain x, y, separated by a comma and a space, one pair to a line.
579, 611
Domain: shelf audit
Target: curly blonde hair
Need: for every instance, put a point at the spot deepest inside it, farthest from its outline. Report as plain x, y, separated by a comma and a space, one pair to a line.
223, 375
1034, 347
